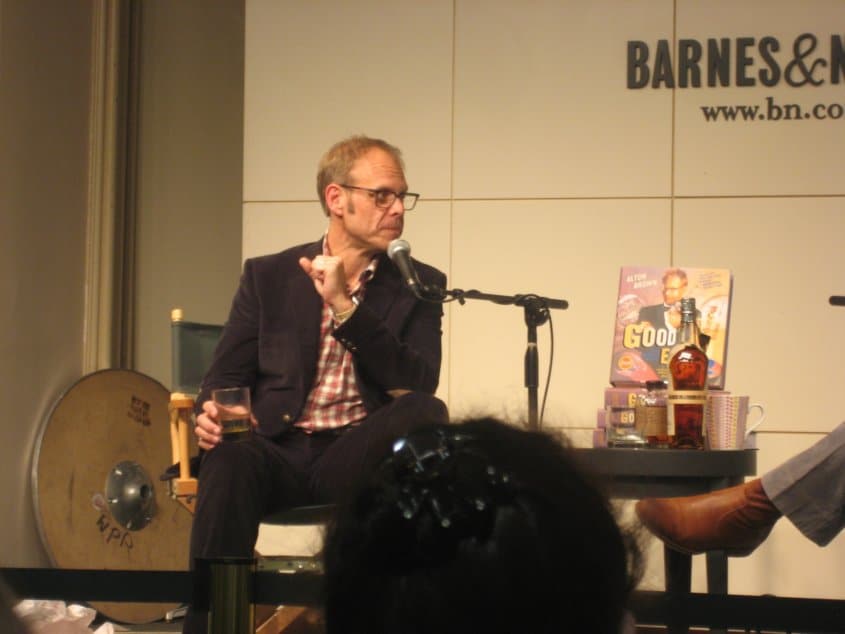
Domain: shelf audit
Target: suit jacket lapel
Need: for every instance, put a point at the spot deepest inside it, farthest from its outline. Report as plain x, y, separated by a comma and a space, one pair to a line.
309, 308
384, 289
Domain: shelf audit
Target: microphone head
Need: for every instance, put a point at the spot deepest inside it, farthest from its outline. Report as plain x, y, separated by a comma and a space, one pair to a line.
396, 246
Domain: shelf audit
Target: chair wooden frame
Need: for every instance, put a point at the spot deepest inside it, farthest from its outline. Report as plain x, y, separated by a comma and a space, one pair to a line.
183, 488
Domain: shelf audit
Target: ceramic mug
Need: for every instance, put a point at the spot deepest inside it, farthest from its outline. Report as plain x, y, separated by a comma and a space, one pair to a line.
726, 418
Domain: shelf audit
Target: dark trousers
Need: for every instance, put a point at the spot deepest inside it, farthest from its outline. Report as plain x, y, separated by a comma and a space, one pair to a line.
241, 482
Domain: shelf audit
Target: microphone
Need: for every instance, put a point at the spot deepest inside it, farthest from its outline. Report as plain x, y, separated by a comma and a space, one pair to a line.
837, 300
399, 251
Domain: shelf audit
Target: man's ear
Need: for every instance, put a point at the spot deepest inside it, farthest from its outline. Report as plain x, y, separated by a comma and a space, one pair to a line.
335, 199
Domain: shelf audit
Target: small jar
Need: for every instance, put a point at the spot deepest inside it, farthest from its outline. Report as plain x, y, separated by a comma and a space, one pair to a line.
651, 415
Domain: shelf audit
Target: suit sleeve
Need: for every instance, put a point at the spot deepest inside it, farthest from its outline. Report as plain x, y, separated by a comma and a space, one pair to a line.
409, 359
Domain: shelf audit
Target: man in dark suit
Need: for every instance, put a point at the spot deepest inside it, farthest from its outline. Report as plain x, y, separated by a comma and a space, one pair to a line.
665, 316
340, 356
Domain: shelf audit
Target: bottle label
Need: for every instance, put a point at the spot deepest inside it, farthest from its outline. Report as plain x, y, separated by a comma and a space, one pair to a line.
682, 397
686, 397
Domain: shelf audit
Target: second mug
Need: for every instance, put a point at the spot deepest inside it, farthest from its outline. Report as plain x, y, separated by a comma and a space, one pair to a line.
726, 418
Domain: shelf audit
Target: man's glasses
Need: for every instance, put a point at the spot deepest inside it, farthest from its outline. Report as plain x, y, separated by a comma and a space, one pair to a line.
384, 198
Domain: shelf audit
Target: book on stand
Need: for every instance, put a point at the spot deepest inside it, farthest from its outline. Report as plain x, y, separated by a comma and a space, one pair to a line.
648, 315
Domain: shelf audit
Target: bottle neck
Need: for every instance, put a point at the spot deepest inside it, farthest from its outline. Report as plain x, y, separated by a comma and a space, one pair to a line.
688, 335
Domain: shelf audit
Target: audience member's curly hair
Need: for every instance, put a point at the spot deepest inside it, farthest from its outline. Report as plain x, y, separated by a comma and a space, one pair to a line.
478, 527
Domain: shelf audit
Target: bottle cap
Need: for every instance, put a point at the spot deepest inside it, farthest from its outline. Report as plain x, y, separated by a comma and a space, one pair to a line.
688, 305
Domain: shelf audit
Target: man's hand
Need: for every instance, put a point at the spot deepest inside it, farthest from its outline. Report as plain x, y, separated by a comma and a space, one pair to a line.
208, 430
329, 278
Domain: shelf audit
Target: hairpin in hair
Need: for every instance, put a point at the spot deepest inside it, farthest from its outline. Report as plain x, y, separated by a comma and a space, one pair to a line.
449, 477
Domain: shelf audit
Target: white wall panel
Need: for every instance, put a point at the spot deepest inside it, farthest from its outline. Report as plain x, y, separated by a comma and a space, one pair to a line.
274, 227
787, 258
319, 71
541, 107
770, 153
568, 250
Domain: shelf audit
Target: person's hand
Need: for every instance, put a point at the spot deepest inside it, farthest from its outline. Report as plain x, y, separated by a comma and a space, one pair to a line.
673, 316
329, 278
208, 430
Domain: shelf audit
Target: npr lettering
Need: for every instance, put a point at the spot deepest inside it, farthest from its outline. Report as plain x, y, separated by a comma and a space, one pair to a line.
114, 534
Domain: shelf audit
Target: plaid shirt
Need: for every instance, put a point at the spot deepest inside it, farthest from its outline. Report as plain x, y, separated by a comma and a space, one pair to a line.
334, 401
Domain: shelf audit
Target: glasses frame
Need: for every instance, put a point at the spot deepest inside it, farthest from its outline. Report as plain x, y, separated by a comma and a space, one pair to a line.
411, 197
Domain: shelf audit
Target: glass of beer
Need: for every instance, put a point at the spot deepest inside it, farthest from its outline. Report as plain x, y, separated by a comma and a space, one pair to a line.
233, 412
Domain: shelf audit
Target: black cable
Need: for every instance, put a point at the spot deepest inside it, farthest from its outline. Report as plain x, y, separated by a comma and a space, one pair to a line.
549, 373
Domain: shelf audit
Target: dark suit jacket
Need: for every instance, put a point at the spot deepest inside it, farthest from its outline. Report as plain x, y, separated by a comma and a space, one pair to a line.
271, 339
654, 314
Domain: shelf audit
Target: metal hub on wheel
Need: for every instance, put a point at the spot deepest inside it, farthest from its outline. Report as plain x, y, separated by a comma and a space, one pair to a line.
130, 495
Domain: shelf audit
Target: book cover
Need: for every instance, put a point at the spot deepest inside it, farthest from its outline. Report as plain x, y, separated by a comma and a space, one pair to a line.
648, 314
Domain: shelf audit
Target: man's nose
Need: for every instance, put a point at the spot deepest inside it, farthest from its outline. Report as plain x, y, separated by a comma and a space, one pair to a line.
398, 207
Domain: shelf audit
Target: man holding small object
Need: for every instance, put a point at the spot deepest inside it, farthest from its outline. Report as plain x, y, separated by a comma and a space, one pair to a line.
340, 356
665, 316
668, 313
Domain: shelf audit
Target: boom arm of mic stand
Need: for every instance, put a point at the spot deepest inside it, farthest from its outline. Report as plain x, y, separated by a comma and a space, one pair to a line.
515, 300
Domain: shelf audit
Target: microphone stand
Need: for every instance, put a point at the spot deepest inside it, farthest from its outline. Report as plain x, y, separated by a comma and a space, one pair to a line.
536, 310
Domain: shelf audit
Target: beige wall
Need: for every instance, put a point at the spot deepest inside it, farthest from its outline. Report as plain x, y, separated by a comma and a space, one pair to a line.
188, 206
542, 172
190, 161
44, 100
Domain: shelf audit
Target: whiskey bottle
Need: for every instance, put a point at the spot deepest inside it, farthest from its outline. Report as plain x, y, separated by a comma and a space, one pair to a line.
687, 384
